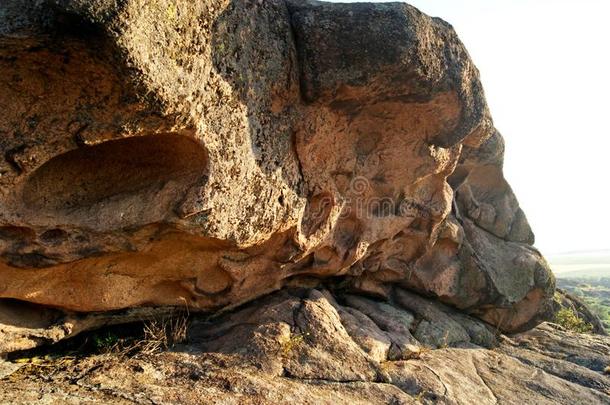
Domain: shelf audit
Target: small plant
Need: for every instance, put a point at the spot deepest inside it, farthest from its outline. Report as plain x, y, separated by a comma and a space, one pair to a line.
567, 318
420, 397
444, 343
105, 342
293, 342
420, 352
171, 11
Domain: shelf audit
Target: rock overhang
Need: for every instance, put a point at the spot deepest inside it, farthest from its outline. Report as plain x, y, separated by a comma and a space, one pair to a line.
205, 154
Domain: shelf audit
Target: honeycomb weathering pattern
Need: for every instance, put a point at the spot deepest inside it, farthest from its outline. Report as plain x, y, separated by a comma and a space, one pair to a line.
175, 153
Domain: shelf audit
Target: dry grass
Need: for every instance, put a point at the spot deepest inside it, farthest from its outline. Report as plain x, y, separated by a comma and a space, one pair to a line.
162, 335
158, 335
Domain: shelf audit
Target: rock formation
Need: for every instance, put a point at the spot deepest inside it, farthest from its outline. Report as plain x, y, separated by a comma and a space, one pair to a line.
321, 184
202, 154
302, 346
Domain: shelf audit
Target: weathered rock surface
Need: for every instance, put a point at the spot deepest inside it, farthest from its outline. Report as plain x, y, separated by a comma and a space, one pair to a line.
203, 154
304, 346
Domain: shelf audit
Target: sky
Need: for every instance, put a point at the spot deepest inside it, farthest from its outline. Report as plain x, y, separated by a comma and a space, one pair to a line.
545, 67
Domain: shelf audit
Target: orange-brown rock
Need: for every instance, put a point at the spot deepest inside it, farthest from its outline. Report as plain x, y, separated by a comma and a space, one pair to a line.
202, 154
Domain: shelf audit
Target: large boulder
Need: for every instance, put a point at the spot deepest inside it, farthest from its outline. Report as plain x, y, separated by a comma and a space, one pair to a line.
203, 154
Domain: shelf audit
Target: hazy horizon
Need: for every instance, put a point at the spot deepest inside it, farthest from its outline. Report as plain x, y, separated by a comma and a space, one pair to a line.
544, 68
584, 263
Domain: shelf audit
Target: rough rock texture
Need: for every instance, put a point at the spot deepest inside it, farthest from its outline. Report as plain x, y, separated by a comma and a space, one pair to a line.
203, 154
303, 346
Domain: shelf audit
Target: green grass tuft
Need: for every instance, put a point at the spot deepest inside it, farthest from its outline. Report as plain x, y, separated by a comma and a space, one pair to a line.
567, 318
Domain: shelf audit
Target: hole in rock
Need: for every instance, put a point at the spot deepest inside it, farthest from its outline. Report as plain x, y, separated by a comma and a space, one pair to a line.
54, 236
137, 179
16, 233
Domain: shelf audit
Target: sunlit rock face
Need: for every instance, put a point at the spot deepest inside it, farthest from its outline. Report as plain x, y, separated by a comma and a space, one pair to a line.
202, 154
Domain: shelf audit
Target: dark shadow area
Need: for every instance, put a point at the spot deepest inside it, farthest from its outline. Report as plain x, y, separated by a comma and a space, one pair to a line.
106, 340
